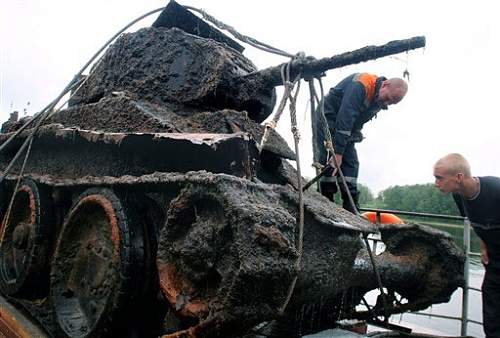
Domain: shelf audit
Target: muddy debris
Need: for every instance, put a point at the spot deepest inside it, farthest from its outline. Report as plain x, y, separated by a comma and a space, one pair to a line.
160, 215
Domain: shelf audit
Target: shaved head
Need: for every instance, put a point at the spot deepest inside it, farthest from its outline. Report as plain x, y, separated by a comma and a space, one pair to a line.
399, 86
392, 91
454, 164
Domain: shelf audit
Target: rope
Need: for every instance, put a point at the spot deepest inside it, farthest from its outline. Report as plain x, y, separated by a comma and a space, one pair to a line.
18, 182
326, 128
287, 95
69, 86
379, 280
249, 40
296, 138
49, 110
29, 143
285, 74
356, 211
42, 116
331, 152
43, 113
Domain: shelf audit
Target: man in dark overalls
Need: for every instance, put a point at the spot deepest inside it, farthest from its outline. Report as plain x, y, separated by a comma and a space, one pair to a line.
348, 106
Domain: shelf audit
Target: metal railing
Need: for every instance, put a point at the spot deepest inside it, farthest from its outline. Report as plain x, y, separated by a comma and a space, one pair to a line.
466, 238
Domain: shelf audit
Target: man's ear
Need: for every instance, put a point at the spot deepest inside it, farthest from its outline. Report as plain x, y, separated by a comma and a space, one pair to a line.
460, 177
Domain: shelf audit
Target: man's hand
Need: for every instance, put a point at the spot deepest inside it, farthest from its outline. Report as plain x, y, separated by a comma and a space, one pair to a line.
484, 253
338, 159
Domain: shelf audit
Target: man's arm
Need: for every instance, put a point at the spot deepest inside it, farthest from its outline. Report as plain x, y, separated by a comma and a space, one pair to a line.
349, 111
335, 162
484, 252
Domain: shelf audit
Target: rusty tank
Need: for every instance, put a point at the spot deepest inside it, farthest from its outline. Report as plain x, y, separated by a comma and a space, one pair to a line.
147, 208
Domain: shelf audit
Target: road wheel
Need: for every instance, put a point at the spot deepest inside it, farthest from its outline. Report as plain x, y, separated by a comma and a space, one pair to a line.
26, 242
98, 265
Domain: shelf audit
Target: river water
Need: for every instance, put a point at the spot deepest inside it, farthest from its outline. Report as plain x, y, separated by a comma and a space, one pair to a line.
433, 325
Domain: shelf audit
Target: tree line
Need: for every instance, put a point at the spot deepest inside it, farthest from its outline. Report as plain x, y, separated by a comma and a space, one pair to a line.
423, 198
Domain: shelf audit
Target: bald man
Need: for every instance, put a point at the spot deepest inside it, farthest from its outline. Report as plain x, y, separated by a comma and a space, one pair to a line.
348, 106
478, 198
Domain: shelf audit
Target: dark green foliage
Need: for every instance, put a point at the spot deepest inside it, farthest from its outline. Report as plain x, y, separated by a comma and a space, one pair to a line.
365, 195
424, 198
417, 198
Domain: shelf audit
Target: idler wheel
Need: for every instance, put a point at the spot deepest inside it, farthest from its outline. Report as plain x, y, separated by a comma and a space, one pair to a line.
224, 249
98, 265
26, 242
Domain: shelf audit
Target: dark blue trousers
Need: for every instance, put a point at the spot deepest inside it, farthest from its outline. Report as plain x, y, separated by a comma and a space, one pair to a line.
350, 168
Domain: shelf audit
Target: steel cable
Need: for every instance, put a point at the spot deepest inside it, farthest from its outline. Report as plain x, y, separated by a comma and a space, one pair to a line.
251, 41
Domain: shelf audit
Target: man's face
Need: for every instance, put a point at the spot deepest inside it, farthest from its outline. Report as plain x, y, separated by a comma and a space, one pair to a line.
445, 181
389, 94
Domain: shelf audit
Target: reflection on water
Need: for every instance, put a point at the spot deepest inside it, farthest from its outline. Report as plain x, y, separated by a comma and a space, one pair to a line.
454, 306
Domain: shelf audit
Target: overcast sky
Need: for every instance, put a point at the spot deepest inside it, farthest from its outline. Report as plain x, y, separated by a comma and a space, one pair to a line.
451, 105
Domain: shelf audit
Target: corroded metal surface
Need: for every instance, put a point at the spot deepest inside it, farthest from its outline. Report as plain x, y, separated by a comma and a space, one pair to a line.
26, 242
167, 65
175, 15
228, 244
15, 324
94, 262
76, 153
200, 225
420, 266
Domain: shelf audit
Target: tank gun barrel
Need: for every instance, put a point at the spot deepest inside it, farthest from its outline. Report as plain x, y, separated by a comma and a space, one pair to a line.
311, 67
